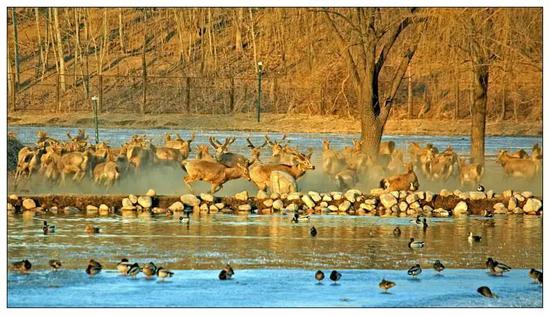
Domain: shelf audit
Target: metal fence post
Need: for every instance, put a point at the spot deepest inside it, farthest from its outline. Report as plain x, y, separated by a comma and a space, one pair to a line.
58, 93
96, 121
258, 104
100, 109
232, 94
188, 94
13, 92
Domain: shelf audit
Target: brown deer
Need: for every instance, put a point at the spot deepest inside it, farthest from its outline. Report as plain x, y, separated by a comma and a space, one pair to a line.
225, 157
203, 154
407, 181
346, 179
280, 151
469, 173
260, 174
184, 146
108, 172
396, 164
333, 161
517, 167
215, 173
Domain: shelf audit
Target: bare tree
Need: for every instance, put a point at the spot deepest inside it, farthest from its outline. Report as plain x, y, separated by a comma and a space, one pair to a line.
60, 53
15, 45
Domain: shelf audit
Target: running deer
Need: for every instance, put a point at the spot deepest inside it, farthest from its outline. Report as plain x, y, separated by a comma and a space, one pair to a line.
407, 181
215, 173
469, 173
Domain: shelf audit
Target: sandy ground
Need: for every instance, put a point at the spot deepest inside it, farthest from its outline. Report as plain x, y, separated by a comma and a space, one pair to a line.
269, 122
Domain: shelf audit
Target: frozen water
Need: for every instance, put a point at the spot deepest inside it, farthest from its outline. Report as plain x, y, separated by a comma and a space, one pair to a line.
273, 288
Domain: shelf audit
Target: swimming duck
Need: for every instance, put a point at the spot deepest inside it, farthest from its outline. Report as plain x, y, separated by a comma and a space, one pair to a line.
480, 188
319, 276
226, 273
313, 231
133, 270
386, 285
496, 268
149, 270
55, 264
93, 268
486, 292
299, 218
534, 274
335, 276
415, 244
473, 238
438, 266
164, 273
417, 221
23, 266
185, 219
123, 266
47, 229
539, 278
487, 213
415, 270
396, 231
91, 229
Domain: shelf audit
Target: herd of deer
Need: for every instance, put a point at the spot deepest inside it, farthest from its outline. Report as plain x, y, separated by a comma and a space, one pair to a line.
54, 160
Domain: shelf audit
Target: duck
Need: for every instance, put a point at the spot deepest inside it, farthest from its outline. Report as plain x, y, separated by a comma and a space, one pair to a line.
438, 266
313, 231
539, 278
487, 213
133, 270
123, 266
185, 219
23, 266
534, 274
299, 218
496, 268
149, 270
93, 268
386, 285
473, 238
319, 276
397, 231
226, 273
164, 273
91, 229
335, 276
55, 264
48, 229
486, 292
480, 188
417, 221
415, 270
415, 244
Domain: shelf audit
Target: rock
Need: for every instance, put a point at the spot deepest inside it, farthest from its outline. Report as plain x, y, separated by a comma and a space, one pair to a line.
361, 212
414, 205
527, 194
512, 203
463, 195
243, 195
439, 212
351, 195
429, 196
460, 208
266, 211
126, 202
332, 208
133, 199
292, 207
190, 200
402, 194
206, 197
308, 202
323, 204
204, 207
507, 194
394, 208
219, 205
13, 197
457, 192
54, 210
268, 203
444, 193
388, 200
327, 198
91, 209
275, 196
500, 208
490, 194
157, 210
395, 194
145, 201
477, 195
278, 204
344, 206
176, 206
519, 197
371, 201
29, 204
532, 205
403, 206
518, 211
315, 196
420, 195
71, 210
293, 196
151, 193
427, 210
411, 198
128, 208
336, 195
261, 194
213, 208
103, 209
376, 192
410, 212
10, 207
227, 210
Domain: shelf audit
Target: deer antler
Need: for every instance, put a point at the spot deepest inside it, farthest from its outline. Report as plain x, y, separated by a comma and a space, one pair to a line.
269, 140
250, 144
212, 141
192, 137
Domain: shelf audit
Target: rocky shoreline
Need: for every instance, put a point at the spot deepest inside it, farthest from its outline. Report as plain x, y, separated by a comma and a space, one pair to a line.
352, 202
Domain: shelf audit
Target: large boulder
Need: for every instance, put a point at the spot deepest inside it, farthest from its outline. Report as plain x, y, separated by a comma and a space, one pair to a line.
500, 208
145, 201
278, 204
190, 200
388, 200
29, 204
308, 202
460, 208
243, 195
176, 206
206, 197
344, 206
477, 195
315, 196
532, 205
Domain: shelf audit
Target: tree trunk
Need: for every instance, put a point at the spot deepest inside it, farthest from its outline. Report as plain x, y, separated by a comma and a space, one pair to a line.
479, 112
238, 34
409, 92
253, 35
15, 46
121, 32
60, 53
144, 64
40, 47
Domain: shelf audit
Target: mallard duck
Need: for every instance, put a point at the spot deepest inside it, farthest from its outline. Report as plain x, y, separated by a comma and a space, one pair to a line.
335, 276
185, 219
539, 278
300, 218
55, 264
23, 266
149, 270
415, 244
496, 268
487, 213
417, 221
47, 229
480, 188
93, 268
319, 276
164, 273
133, 270
473, 238
438, 266
313, 231
91, 229
386, 285
486, 292
226, 273
123, 266
534, 274
415, 270
397, 231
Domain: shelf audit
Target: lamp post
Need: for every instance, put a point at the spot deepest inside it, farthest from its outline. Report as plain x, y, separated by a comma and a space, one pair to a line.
260, 67
94, 101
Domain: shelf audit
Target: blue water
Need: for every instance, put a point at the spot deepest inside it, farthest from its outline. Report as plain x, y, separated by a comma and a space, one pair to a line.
273, 288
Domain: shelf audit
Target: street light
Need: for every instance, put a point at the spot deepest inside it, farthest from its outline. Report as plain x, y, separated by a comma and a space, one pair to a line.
94, 101
260, 68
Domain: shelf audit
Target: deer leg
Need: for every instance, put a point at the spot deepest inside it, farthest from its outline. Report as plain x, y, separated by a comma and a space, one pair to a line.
187, 180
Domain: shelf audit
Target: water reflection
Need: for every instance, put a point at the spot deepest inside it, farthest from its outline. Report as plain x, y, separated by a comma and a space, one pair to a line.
272, 241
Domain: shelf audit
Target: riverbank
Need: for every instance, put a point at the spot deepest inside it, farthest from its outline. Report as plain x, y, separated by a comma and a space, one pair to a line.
269, 123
